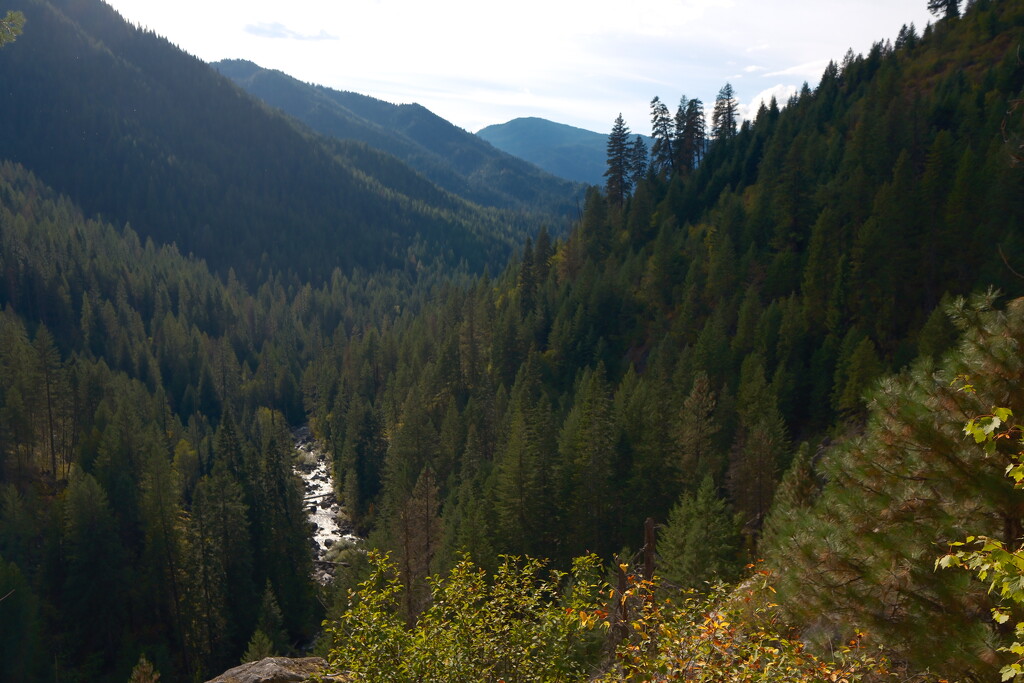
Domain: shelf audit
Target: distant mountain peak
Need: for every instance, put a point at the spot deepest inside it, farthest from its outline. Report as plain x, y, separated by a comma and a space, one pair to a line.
558, 148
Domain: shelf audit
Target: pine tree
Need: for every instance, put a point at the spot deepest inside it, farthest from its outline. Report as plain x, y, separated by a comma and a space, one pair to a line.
526, 475
638, 165
618, 185
219, 565
695, 133
694, 432
662, 154
947, 9
863, 552
49, 372
416, 535
163, 552
587, 449
907, 38
701, 541
759, 447
259, 647
725, 117
96, 578
270, 623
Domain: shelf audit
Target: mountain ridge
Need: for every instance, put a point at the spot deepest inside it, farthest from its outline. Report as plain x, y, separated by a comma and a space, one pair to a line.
567, 151
133, 129
453, 158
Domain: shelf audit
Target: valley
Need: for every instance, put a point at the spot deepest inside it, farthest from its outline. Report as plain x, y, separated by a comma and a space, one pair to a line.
331, 530
289, 370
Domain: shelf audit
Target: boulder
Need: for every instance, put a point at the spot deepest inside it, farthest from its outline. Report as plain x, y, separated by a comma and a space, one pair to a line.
277, 670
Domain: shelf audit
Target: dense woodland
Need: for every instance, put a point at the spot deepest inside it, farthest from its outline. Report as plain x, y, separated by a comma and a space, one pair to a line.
711, 345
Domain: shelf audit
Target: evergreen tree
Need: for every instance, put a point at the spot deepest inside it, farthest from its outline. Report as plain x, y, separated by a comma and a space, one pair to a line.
689, 136
96, 579
617, 185
163, 551
638, 166
701, 541
947, 9
416, 535
662, 154
759, 446
863, 551
695, 429
270, 623
259, 647
49, 373
587, 448
725, 117
907, 38
526, 475
219, 568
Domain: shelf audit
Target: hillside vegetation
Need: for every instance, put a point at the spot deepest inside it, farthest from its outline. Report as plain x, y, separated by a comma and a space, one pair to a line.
716, 352
449, 156
679, 352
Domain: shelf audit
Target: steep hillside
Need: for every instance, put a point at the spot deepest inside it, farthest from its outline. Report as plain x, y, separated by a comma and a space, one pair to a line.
134, 394
132, 128
682, 348
447, 155
566, 151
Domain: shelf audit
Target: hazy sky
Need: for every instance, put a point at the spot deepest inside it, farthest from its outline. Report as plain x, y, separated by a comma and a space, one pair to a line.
573, 61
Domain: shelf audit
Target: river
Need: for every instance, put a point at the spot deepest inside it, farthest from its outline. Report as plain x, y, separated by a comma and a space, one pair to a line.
331, 530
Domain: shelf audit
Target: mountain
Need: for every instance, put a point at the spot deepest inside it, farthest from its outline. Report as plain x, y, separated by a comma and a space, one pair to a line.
563, 150
758, 353
449, 156
133, 129
719, 349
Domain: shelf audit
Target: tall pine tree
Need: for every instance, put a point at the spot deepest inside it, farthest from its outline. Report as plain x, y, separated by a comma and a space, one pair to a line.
620, 164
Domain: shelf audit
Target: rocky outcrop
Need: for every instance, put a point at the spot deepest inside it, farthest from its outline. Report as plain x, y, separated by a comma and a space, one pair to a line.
279, 670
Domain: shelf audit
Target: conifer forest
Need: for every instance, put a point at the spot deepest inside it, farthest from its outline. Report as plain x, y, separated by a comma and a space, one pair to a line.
789, 346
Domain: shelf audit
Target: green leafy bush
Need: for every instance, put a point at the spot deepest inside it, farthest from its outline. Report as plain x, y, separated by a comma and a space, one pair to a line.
528, 623
523, 624
989, 558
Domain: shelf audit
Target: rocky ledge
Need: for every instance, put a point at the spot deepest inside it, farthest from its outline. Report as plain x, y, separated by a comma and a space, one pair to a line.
280, 670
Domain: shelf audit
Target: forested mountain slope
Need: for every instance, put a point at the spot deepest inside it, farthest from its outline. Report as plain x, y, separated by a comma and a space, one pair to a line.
147, 498
130, 127
449, 156
679, 353
717, 323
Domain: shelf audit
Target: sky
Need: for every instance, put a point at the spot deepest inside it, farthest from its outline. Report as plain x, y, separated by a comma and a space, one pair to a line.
579, 62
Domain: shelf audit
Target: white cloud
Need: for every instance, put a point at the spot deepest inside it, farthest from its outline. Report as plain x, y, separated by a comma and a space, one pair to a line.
576, 61
809, 71
780, 92
278, 30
